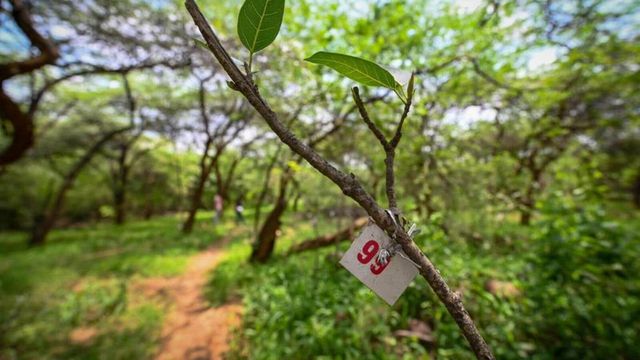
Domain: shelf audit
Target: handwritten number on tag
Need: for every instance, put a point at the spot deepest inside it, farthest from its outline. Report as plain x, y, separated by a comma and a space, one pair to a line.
369, 251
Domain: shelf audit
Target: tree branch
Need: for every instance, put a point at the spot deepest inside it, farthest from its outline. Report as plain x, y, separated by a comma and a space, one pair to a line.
407, 106
347, 183
48, 51
22, 136
22, 123
131, 101
97, 70
367, 120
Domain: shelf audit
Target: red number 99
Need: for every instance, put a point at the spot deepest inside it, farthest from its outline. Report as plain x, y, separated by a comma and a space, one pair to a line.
369, 250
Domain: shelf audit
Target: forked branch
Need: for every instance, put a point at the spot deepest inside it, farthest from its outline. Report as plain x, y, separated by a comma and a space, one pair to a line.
389, 146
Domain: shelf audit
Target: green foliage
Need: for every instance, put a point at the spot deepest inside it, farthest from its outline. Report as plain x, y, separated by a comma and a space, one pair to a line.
259, 23
574, 295
85, 277
93, 302
361, 70
583, 292
305, 305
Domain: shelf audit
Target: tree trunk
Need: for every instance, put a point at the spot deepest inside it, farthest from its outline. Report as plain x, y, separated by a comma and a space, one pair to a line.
529, 201
265, 189
223, 183
525, 217
265, 243
198, 189
526, 209
196, 198
221, 189
119, 202
41, 229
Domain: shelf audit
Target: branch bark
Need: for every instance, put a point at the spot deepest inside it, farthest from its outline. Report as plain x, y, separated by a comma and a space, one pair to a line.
22, 123
348, 183
48, 51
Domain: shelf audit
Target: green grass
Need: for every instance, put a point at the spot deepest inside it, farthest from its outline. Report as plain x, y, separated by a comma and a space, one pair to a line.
577, 272
82, 277
308, 306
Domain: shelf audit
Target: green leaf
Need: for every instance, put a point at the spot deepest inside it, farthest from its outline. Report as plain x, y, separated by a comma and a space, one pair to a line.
360, 70
259, 23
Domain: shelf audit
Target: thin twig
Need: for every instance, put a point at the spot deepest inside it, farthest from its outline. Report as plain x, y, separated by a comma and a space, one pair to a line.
367, 120
407, 106
388, 146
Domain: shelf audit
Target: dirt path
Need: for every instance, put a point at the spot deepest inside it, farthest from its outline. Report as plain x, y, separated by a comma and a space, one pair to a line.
192, 330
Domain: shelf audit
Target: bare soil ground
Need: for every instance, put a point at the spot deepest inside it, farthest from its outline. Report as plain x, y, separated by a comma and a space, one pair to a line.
192, 330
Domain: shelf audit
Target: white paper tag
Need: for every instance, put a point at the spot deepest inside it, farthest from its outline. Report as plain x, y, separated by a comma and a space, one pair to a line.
388, 281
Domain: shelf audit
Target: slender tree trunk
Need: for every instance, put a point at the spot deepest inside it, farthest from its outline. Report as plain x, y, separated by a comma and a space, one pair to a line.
120, 188
42, 229
223, 183
526, 210
119, 200
525, 216
265, 189
196, 199
529, 201
198, 188
266, 240
221, 189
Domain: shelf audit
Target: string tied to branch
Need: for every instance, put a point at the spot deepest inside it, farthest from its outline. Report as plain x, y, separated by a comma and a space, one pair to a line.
386, 254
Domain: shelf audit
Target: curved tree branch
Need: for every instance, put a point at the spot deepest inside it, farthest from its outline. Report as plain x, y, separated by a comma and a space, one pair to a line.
48, 51
22, 123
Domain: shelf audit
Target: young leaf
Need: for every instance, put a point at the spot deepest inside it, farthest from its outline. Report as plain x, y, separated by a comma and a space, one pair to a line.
259, 23
360, 70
